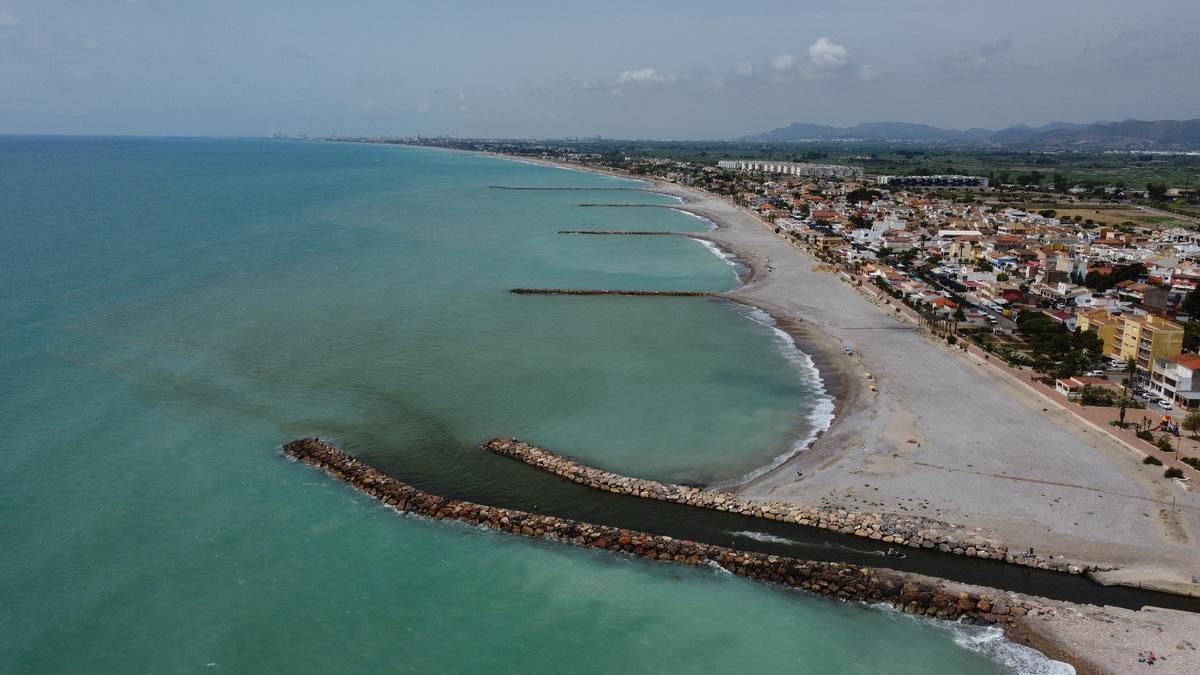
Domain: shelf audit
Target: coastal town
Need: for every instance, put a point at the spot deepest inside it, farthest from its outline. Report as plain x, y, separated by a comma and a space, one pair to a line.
671, 337
1084, 289
1009, 361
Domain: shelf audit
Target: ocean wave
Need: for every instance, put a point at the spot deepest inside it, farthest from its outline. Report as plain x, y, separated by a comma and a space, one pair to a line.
708, 221
820, 418
721, 253
990, 641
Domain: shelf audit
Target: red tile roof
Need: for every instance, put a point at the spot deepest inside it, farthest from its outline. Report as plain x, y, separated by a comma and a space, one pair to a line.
1187, 360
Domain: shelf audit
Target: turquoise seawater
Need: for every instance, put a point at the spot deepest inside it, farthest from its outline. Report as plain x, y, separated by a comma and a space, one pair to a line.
173, 310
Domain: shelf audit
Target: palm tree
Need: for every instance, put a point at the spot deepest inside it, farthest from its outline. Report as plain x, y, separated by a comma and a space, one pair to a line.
1130, 370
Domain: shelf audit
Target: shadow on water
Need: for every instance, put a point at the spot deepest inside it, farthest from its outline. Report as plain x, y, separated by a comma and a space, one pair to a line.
453, 468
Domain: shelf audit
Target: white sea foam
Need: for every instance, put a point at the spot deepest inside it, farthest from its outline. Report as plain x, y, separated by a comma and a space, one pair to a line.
712, 565
819, 418
707, 221
990, 641
717, 251
764, 537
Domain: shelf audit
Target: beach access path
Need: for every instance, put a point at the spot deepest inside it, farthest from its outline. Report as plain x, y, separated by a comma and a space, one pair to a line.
947, 435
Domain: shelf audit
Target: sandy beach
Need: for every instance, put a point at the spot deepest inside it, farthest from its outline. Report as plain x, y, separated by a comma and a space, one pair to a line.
989, 452
948, 436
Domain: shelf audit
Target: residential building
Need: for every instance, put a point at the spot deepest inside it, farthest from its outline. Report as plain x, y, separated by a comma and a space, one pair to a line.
1072, 386
1175, 379
935, 182
793, 168
1147, 337
1104, 324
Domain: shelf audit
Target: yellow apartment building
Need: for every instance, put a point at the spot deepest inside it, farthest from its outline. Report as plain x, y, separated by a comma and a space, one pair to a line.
1141, 337
1147, 337
1103, 324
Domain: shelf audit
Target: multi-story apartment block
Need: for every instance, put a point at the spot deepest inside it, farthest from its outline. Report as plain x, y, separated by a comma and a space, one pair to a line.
1147, 337
793, 168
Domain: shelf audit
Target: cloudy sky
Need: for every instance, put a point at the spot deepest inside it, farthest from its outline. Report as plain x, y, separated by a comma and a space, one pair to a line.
534, 68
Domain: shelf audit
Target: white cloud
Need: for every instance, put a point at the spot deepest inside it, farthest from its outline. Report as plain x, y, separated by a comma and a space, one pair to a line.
783, 62
8, 18
824, 53
869, 72
643, 76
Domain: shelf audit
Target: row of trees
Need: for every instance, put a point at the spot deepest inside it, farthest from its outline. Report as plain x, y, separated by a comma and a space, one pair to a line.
1057, 351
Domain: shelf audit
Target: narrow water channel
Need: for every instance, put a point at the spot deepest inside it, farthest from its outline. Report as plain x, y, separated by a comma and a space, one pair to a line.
473, 474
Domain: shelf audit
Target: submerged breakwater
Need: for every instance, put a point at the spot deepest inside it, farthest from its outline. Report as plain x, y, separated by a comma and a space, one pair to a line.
601, 291
836, 580
887, 528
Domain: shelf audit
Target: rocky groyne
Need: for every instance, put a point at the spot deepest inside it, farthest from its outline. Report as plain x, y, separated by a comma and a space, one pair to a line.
570, 189
634, 206
647, 233
830, 579
886, 528
601, 291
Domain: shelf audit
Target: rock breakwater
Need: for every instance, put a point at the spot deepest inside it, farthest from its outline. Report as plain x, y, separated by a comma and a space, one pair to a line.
601, 291
836, 580
886, 528
646, 233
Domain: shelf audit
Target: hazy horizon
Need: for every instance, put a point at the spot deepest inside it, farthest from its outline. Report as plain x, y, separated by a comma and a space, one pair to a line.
697, 70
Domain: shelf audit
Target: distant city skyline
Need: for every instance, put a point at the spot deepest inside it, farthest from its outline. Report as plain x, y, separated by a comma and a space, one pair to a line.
670, 70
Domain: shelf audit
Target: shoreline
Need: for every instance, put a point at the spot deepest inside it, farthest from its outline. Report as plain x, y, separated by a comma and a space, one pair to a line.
1078, 629
836, 381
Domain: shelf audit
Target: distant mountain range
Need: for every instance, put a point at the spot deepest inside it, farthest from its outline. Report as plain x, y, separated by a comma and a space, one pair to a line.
1133, 134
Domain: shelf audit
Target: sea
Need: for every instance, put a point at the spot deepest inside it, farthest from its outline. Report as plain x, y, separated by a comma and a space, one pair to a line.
172, 310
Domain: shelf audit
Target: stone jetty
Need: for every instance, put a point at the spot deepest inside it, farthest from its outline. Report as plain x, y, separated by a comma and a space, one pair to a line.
886, 528
835, 580
647, 233
635, 206
570, 189
601, 291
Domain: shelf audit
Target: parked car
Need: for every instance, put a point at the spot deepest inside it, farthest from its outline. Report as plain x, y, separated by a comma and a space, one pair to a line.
1165, 405
1097, 373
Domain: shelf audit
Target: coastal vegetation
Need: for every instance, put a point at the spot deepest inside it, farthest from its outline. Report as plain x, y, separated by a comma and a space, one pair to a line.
1056, 350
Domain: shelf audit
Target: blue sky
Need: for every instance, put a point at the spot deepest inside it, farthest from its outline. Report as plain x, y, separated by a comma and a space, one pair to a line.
630, 69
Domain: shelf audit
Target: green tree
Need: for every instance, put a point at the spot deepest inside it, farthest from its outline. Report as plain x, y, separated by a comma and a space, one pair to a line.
1192, 423
1191, 335
862, 195
1191, 304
